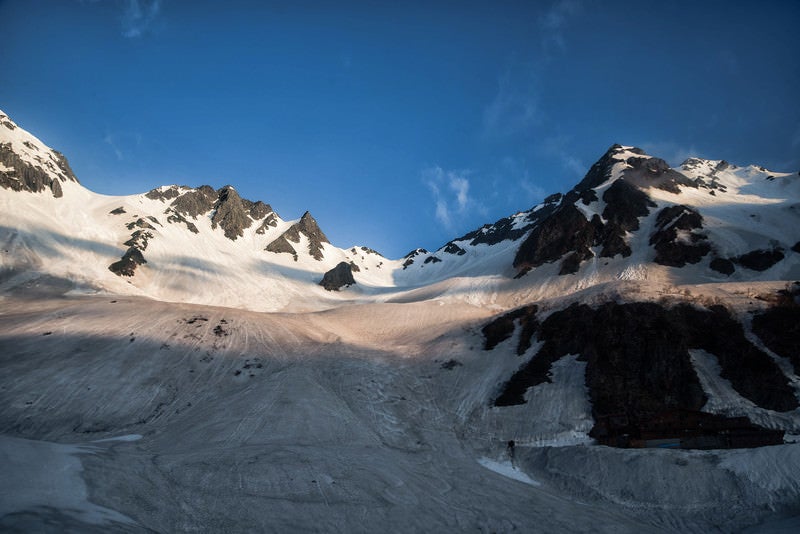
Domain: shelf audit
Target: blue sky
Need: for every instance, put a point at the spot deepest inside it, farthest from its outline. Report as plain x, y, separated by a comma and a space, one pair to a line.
397, 124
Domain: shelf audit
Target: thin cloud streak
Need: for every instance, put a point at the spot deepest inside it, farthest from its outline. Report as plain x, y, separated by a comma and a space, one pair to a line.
139, 16
450, 194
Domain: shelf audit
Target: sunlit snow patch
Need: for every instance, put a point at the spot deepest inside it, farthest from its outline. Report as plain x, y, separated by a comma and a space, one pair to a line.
508, 471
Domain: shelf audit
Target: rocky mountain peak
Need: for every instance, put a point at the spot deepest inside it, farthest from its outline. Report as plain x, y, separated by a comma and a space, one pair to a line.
231, 214
27, 164
307, 226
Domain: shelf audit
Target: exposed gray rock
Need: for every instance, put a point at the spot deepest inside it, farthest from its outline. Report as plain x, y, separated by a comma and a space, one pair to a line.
230, 214
411, 255
127, 265
139, 239
270, 221
195, 202
625, 204
118, 211
566, 230
316, 238
431, 259
259, 210
338, 277
638, 364
23, 176
282, 245
175, 217
452, 248
673, 251
723, 266
165, 194
139, 223
308, 227
760, 259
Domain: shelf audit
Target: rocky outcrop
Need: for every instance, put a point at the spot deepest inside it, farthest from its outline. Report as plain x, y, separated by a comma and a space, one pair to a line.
625, 204
452, 248
130, 261
282, 246
655, 172
565, 231
677, 238
258, 210
723, 266
164, 193
503, 328
779, 326
511, 228
195, 202
601, 170
409, 258
270, 221
19, 175
230, 213
306, 226
338, 277
638, 363
760, 259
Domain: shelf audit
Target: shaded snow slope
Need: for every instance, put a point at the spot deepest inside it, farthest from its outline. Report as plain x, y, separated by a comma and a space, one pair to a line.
351, 419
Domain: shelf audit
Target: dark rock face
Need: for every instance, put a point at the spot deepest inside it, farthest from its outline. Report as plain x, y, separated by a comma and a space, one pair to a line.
722, 265
270, 221
139, 239
230, 214
601, 171
761, 259
117, 211
637, 357
259, 210
624, 205
35, 179
175, 217
195, 202
431, 259
452, 248
779, 326
509, 228
127, 265
338, 277
796, 247
654, 172
503, 328
165, 194
566, 230
671, 250
282, 246
411, 255
307, 226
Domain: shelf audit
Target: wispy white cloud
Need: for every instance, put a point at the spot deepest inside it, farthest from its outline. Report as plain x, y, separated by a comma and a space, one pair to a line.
139, 16
552, 26
122, 144
450, 191
515, 106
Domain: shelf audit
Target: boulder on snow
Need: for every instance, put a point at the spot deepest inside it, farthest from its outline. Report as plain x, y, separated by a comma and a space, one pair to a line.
338, 277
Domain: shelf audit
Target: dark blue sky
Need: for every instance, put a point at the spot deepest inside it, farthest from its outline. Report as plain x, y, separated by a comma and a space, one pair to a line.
397, 124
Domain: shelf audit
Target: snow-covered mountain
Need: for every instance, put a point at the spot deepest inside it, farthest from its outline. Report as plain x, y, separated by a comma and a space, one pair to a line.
472, 387
631, 217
